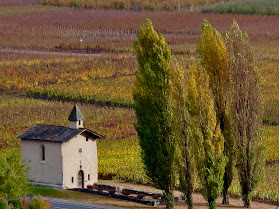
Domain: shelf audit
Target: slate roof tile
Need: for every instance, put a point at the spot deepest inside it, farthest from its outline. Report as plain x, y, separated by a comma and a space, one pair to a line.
54, 133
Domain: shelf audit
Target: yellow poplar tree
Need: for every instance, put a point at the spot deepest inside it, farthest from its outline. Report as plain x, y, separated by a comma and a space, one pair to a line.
205, 129
181, 124
214, 58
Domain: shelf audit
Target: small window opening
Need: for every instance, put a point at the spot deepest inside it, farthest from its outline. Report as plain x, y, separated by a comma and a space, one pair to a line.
43, 157
72, 179
88, 177
79, 122
87, 138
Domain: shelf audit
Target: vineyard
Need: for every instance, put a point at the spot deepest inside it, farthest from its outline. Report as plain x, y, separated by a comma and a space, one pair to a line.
110, 91
51, 57
21, 74
98, 31
106, 80
119, 152
21, 113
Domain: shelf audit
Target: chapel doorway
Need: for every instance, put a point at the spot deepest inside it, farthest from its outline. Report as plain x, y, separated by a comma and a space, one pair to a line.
81, 179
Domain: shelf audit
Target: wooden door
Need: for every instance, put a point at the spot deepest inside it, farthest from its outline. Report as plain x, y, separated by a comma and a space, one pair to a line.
81, 179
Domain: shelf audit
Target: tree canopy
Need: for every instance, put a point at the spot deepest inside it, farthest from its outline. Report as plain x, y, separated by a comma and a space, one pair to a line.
246, 111
152, 106
13, 181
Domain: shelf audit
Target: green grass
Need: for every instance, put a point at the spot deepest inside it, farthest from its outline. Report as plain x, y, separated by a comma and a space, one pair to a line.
83, 197
262, 7
44, 191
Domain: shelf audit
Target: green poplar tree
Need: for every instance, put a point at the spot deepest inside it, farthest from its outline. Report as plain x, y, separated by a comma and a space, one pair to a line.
246, 111
214, 58
205, 129
181, 124
153, 109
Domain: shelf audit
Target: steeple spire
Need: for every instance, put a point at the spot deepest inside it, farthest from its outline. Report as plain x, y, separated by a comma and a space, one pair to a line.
76, 118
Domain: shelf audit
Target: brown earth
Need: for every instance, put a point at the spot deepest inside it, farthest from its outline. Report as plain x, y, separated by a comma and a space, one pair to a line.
199, 201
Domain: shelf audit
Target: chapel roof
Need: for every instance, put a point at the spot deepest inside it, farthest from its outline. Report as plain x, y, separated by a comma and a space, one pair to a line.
76, 114
55, 133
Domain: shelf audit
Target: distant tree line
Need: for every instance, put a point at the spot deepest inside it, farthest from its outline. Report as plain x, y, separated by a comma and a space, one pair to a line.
201, 120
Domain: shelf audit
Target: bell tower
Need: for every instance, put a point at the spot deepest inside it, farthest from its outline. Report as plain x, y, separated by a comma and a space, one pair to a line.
76, 118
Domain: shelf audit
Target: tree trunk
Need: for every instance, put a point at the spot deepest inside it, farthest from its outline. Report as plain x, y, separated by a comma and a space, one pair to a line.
188, 176
212, 204
225, 197
189, 200
225, 189
169, 199
246, 198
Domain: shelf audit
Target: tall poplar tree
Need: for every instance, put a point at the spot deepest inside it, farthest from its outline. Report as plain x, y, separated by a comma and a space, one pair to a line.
214, 58
205, 129
246, 111
152, 106
181, 124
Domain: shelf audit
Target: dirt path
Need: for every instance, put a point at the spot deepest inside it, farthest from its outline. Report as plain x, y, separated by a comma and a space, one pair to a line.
199, 201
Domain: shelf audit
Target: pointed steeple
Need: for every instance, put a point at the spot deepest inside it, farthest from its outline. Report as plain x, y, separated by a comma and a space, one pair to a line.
76, 118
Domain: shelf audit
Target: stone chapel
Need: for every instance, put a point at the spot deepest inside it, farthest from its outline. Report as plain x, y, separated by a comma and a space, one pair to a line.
62, 156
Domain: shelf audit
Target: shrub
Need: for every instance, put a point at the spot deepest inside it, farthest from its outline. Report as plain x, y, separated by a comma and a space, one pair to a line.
38, 203
3, 204
16, 203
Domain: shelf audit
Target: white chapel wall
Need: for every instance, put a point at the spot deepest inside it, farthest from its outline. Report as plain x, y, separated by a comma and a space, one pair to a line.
76, 124
48, 171
75, 160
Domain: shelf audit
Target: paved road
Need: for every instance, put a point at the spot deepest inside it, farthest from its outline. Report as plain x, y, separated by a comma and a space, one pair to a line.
69, 204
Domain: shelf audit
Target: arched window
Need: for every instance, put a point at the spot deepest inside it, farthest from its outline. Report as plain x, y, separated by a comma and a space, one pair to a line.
43, 153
